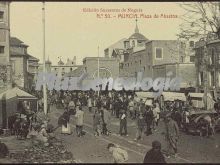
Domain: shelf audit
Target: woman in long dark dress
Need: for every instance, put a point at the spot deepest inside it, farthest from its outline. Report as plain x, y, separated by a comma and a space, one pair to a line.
65, 129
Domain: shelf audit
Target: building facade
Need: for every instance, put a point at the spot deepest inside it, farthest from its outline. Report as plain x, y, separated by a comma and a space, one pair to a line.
154, 58
24, 66
32, 69
62, 69
156, 53
19, 58
208, 67
5, 68
178, 70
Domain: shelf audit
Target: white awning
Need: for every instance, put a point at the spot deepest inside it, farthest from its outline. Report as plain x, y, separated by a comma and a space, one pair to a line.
146, 95
171, 96
16, 92
199, 95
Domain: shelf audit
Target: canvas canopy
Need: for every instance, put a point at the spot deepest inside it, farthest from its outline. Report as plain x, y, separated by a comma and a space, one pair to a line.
198, 100
9, 101
16, 92
172, 96
202, 112
146, 95
198, 95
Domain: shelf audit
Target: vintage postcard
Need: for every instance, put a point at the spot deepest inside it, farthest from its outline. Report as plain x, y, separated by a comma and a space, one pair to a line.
109, 82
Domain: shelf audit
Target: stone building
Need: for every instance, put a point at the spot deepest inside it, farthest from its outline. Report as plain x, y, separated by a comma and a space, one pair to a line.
155, 52
5, 68
208, 69
61, 69
155, 57
32, 69
24, 65
108, 67
178, 70
19, 58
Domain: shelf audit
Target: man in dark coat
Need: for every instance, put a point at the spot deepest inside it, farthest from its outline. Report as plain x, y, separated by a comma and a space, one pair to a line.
118, 105
154, 155
149, 116
171, 135
123, 123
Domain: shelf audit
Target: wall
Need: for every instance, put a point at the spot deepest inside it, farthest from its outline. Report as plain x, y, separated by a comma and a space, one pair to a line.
180, 70
170, 51
20, 70
62, 69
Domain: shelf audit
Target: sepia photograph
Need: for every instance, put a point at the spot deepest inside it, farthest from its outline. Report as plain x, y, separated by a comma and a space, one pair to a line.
109, 82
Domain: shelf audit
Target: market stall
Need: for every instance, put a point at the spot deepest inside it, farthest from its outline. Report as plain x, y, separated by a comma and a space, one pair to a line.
10, 101
197, 100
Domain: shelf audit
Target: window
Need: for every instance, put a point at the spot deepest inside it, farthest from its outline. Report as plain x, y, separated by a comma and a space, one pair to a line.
144, 68
63, 69
201, 78
159, 53
125, 45
191, 44
212, 58
192, 59
13, 67
71, 69
55, 69
212, 78
182, 45
140, 61
133, 43
182, 59
1, 15
2, 49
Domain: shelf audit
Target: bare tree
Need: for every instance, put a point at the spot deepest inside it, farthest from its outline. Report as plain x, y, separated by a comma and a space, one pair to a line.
198, 17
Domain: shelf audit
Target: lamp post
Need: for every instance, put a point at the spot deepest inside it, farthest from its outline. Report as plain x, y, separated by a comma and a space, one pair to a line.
44, 65
98, 68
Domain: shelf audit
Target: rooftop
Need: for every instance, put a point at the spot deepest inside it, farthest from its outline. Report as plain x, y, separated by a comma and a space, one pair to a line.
16, 42
138, 36
32, 58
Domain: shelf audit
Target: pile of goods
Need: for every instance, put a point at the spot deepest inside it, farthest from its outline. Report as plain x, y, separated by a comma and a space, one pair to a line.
39, 153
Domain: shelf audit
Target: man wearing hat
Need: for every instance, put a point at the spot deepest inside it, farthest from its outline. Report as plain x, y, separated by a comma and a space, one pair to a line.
171, 135
149, 119
154, 155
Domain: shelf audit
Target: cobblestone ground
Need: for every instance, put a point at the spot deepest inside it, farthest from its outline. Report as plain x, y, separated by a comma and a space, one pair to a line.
91, 149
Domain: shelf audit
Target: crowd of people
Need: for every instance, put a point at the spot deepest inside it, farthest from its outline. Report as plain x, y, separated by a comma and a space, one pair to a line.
104, 106
107, 105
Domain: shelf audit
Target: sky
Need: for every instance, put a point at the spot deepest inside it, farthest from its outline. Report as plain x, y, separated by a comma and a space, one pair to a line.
71, 32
